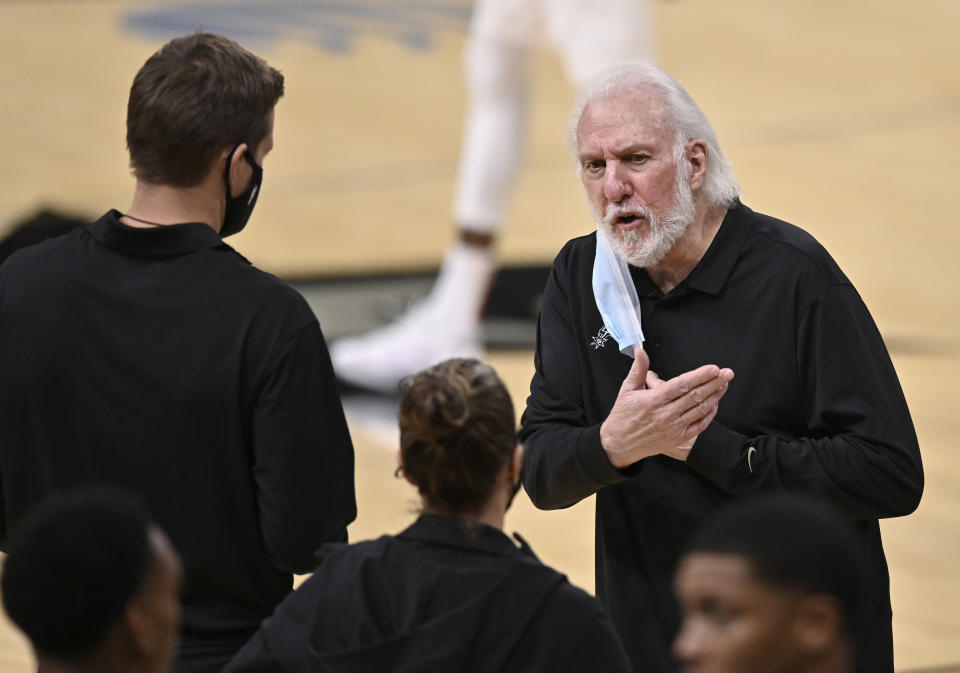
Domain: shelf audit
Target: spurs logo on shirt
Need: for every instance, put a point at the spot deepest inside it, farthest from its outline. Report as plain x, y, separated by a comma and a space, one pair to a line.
600, 340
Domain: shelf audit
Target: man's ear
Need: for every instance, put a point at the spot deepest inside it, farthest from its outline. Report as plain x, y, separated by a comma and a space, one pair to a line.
140, 625
819, 622
697, 155
240, 170
516, 465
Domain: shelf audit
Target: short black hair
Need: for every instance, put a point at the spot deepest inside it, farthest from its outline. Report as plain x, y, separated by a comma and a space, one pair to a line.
72, 566
791, 542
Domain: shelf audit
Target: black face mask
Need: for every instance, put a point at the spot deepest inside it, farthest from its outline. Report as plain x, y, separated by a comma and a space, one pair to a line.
241, 206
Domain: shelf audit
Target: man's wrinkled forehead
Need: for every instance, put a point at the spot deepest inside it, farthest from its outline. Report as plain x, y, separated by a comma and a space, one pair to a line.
642, 106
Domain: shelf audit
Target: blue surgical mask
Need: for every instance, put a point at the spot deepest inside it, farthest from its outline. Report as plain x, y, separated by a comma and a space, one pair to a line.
616, 296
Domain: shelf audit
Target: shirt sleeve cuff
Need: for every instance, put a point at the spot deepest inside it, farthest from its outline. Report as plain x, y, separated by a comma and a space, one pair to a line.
594, 459
717, 453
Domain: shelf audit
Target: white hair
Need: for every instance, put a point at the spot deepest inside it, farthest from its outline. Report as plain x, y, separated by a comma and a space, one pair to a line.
684, 116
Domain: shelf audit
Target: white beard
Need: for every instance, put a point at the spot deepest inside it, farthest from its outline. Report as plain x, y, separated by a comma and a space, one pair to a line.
644, 250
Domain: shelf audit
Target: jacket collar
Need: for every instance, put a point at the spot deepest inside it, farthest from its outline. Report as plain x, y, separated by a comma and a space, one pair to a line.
173, 239
454, 531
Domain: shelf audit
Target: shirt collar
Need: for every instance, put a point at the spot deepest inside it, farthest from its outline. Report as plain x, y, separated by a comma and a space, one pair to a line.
172, 239
712, 271
453, 531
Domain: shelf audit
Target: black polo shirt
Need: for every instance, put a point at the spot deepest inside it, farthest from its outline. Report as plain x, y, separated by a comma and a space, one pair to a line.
816, 407
162, 361
444, 596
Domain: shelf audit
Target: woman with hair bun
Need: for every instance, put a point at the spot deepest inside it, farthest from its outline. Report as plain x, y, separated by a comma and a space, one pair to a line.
452, 592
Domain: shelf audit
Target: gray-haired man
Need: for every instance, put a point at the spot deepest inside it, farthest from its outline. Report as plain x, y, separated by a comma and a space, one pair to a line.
707, 287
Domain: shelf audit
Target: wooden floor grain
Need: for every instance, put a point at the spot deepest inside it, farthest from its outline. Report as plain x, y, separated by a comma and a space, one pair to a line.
843, 118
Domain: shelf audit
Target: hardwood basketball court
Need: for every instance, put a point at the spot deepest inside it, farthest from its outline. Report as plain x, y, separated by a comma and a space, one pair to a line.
843, 118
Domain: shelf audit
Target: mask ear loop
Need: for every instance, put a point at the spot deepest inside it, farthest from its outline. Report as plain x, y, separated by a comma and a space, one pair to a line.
250, 159
257, 174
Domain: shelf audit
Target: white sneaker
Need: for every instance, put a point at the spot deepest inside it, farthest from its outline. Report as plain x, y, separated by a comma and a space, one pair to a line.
444, 325
381, 359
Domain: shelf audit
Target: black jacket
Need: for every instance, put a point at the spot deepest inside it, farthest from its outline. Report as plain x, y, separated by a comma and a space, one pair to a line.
445, 595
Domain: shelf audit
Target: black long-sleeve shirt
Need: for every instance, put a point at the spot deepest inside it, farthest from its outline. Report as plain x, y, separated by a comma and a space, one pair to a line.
816, 407
445, 595
160, 360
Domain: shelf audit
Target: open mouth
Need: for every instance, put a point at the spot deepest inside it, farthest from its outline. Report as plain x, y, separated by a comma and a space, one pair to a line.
627, 220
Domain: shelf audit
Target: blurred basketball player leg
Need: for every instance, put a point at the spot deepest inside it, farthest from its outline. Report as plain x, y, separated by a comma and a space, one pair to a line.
447, 322
589, 35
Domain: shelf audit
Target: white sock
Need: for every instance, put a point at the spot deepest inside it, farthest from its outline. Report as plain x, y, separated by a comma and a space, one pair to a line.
462, 286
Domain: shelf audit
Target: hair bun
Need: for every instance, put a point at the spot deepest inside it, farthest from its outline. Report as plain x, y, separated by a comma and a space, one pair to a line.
457, 431
446, 408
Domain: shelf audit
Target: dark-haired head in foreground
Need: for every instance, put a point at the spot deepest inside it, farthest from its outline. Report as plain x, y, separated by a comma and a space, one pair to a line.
769, 586
94, 585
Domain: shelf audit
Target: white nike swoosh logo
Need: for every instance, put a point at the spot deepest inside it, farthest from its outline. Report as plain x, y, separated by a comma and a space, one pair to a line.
752, 450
